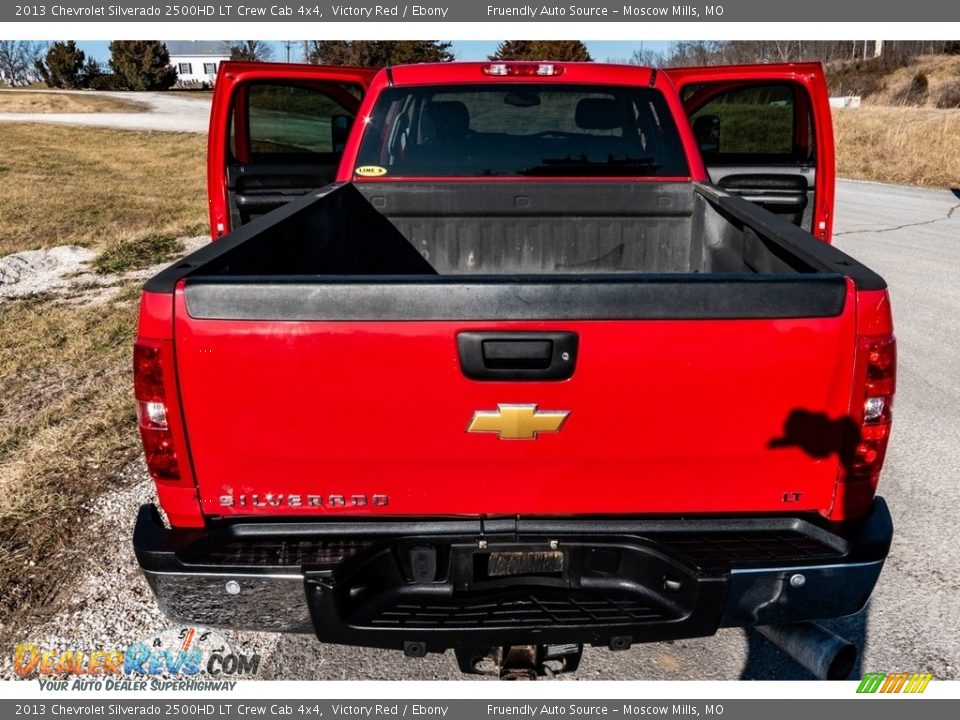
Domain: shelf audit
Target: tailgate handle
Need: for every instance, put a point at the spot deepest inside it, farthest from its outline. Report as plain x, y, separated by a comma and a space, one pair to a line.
518, 355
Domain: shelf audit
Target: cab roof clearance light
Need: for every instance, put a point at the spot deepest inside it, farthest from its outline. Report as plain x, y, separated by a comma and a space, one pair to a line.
523, 69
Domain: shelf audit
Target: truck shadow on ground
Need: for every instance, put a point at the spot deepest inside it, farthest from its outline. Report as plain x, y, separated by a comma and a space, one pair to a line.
765, 661
819, 436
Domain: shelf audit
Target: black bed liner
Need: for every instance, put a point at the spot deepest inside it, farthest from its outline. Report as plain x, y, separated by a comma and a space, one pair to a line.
516, 250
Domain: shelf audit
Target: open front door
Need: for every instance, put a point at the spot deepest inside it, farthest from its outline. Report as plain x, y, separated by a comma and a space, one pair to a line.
765, 133
277, 131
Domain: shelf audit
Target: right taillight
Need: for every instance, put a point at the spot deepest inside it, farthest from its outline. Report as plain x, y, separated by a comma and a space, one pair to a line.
153, 416
877, 361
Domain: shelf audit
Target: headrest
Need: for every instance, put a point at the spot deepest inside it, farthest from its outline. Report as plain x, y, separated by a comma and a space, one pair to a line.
597, 114
706, 129
450, 117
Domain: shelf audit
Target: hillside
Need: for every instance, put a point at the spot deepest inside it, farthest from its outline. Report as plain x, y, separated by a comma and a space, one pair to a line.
931, 81
908, 129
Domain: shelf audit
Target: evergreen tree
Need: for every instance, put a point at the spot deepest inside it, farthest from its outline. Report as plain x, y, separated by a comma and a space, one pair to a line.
62, 67
142, 64
378, 53
568, 50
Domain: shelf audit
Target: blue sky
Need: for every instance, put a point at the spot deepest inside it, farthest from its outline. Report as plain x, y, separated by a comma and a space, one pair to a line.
601, 50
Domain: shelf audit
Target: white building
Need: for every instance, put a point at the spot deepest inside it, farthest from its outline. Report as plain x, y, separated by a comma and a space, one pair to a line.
197, 61
31, 76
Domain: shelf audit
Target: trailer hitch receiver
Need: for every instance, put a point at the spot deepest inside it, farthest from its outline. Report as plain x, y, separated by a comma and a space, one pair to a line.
521, 662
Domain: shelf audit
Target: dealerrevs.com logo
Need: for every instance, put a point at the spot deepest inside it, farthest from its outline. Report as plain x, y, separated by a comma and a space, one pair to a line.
178, 658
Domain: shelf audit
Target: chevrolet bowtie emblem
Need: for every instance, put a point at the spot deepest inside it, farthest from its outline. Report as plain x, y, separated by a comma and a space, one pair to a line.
517, 422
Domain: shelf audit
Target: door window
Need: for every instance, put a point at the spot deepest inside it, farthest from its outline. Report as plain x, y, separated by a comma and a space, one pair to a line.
755, 124
290, 122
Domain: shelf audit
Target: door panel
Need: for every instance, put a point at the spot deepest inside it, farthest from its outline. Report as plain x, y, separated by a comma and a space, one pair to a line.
292, 139
277, 132
784, 190
765, 133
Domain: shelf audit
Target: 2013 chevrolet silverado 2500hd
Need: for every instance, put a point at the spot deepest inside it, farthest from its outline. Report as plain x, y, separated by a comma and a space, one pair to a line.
512, 357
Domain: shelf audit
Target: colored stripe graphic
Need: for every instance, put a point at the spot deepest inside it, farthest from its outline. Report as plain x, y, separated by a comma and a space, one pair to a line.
871, 682
894, 682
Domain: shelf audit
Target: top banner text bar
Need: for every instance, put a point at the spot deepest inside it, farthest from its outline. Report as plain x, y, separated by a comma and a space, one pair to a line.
477, 11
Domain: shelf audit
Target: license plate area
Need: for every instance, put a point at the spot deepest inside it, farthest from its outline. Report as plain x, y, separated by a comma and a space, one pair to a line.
518, 563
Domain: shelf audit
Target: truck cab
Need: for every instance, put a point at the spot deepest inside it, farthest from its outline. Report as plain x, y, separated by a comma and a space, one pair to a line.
278, 131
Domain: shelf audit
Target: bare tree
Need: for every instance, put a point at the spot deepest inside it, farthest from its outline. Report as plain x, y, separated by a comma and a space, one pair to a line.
18, 59
894, 54
249, 50
647, 58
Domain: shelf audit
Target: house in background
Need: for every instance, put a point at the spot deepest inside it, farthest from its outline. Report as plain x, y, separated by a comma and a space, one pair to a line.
197, 61
30, 77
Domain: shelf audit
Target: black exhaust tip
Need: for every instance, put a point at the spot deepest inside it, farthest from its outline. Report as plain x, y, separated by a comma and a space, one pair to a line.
824, 653
842, 666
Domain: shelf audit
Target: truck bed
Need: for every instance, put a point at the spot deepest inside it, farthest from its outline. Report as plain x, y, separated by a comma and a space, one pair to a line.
519, 228
408, 251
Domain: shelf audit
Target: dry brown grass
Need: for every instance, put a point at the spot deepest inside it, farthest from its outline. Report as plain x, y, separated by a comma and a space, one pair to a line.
199, 95
28, 101
910, 146
67, 422
926, 82
66, 427
90, 187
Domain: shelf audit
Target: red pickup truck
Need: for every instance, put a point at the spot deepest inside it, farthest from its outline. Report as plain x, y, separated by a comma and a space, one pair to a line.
507, 358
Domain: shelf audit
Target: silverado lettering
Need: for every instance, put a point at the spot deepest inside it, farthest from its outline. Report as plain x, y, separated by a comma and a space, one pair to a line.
278, 500
580, 323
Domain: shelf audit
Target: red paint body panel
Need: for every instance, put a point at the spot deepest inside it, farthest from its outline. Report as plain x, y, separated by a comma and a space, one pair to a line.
660, 420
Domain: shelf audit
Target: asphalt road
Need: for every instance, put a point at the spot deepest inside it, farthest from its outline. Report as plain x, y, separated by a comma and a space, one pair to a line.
910, 236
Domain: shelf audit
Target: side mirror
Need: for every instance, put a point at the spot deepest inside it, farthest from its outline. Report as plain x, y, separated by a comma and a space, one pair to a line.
339, 131
706, 129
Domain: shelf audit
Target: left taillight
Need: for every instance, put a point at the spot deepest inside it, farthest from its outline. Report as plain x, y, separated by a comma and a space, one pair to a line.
154, 410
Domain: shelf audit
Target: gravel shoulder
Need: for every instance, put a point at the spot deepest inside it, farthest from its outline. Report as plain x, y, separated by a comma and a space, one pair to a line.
65, 272
172, 112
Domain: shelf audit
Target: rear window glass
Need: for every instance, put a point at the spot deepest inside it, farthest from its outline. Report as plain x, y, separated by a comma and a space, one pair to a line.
521, 130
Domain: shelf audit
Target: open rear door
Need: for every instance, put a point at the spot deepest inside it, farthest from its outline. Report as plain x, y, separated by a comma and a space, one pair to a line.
765, 133
277, 131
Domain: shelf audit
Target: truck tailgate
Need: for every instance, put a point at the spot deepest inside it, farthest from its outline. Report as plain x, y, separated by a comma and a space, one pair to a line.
668, 411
